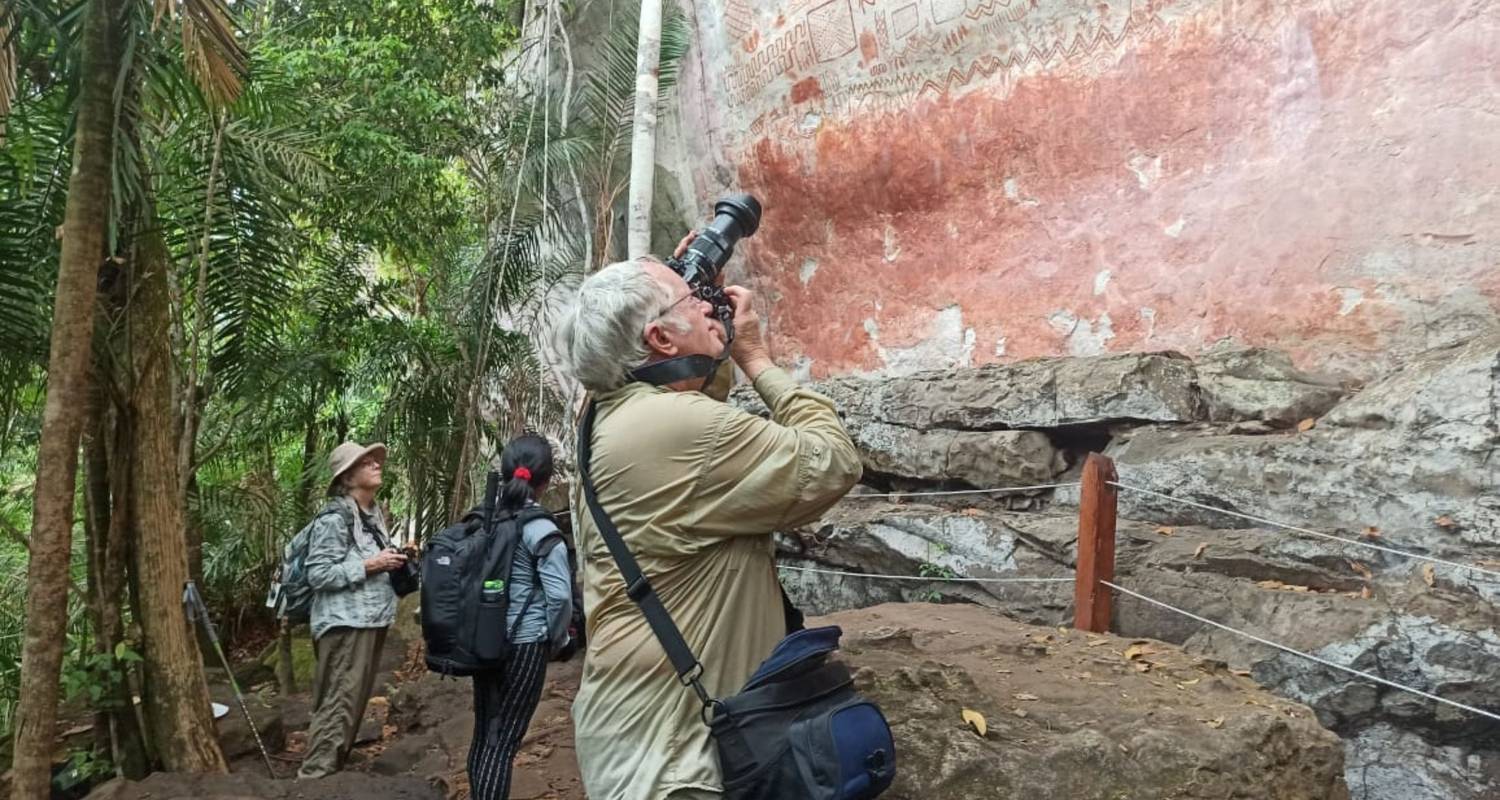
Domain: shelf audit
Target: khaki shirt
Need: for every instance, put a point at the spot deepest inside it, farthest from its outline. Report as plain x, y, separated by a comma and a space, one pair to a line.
696, 488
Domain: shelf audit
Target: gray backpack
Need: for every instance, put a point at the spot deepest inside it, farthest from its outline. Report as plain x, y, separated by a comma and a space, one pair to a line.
290, 597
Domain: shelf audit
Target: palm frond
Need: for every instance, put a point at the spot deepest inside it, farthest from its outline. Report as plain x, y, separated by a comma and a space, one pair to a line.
212, 52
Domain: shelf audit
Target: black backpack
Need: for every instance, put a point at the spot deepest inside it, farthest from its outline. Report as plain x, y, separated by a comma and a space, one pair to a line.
466, 573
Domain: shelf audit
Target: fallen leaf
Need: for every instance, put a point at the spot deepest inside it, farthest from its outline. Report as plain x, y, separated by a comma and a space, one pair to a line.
1364, 571
1020, 712
1243, 673
1429, 574
1365, 593
970, 512
1137, 650
1142, 666
1446, 521
1025, 698
1371, 532
975, 719
1306, 425
1185, 684
1098, 643
1270, 584
1166, 530
1216, 722
1199, 552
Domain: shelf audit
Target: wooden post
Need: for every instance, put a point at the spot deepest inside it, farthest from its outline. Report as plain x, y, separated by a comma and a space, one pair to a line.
1096, 546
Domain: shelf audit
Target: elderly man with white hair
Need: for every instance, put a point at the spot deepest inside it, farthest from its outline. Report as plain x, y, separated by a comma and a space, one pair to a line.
696, 488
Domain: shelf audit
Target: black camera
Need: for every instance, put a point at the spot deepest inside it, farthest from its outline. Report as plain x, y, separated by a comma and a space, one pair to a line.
735, 217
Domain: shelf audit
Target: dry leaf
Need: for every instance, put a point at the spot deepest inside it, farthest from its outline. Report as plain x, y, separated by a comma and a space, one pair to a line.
1306, 425
1166, 530
1364, 571
1446, 521
1371, 532
1216, 722
1199, 552
1365, 593
1023, 697
1429, 575
1020, 712
970, 512
1098, 642
1243, 673
1142, 666
1185, 684
1270, 584
1137, 650
976, 720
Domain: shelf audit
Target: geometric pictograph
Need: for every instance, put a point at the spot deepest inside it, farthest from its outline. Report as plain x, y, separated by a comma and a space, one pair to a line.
831, 27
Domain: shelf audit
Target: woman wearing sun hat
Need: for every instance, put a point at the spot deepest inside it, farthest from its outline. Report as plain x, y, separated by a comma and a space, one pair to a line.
349, 562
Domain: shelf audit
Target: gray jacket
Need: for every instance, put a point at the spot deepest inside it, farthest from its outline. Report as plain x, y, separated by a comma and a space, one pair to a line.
551, 608
343, 596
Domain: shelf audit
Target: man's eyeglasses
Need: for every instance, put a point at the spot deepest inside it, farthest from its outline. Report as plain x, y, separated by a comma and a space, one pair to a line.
692, 294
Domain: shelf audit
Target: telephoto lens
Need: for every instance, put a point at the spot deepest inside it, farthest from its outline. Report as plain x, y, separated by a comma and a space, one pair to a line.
735, 216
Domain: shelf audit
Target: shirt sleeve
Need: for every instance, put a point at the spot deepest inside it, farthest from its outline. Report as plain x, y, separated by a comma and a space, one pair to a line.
763, 475
332, 562
556, 577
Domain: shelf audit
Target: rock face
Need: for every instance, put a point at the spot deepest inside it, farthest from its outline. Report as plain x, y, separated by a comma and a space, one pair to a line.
1069, 715
951, 184
1009, 425
1411, 456
1406, 462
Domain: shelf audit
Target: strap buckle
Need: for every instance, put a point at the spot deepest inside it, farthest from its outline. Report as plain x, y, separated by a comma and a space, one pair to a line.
638, 588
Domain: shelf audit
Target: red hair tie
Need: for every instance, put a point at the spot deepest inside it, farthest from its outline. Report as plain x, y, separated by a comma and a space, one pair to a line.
522, 473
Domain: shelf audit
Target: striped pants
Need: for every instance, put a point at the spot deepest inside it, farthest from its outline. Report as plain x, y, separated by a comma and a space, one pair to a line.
503, 705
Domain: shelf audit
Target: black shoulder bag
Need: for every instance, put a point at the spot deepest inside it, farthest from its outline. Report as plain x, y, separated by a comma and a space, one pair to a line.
797, 729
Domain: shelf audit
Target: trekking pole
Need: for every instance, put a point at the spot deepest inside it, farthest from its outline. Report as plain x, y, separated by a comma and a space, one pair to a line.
491, 495
197, 611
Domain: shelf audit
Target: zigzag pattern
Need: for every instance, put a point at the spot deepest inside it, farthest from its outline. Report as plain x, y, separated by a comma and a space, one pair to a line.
986, 8
989, 65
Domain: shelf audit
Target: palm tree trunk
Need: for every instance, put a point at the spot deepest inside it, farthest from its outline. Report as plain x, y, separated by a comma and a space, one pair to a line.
116, 725
176, 692
84, 223
643, 138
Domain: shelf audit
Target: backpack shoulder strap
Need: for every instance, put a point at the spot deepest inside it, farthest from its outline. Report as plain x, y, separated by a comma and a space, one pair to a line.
544, 546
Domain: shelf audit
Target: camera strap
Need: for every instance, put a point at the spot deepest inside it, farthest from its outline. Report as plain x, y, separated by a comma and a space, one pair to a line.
689, 670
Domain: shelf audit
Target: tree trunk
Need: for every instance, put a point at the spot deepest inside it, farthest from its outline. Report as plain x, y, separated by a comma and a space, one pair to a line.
84, 223
176, 694
116, 725
643, 137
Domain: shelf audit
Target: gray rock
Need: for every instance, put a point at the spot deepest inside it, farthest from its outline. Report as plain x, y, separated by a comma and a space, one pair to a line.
1257, 384
1411, 456
988, 459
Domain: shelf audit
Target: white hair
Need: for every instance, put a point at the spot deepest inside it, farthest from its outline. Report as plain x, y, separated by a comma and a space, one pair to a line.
602, 334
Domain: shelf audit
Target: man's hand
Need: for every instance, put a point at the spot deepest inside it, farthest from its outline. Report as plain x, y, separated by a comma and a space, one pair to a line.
682, 246
384, 561
749, 349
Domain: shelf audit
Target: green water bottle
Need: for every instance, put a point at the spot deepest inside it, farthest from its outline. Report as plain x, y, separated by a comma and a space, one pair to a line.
491, 591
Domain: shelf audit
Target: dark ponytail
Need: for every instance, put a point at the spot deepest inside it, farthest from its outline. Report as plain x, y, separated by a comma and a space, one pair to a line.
534, 454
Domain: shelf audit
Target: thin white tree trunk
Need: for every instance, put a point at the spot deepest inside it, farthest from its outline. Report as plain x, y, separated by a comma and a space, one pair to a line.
643, 138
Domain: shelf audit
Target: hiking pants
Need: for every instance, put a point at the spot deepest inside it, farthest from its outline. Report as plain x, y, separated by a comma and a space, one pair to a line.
348, 660
503, 704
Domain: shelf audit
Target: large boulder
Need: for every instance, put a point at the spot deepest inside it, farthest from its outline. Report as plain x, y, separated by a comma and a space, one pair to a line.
1074, 715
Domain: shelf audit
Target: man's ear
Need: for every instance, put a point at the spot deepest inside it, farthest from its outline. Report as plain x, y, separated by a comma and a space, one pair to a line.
658, 341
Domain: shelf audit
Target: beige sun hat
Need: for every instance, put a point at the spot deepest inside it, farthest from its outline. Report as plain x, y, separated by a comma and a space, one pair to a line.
347, 455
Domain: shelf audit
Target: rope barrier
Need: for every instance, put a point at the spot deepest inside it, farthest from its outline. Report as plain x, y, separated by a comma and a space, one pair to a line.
1310, 657
1309, 532
956, 579
957, 492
